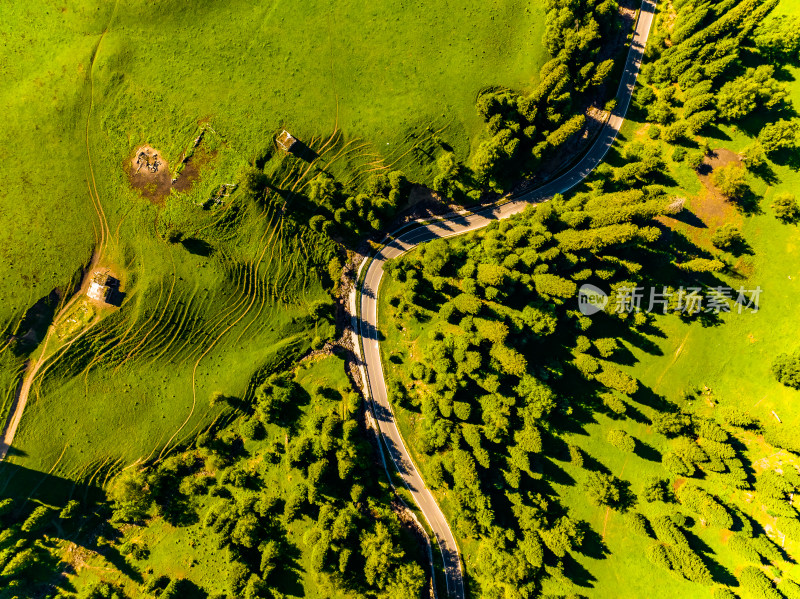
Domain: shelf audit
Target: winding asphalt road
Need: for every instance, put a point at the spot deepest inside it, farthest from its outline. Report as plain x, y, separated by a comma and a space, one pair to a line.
366, 328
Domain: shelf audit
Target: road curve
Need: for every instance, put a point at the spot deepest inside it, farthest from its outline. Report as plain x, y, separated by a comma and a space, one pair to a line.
366, 324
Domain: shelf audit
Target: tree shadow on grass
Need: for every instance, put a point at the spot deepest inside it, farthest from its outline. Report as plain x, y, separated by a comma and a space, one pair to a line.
113, 555
554, 446
24, 484
593, 465
647, 452
741, 454
555, 474
747, 202
576, 572
647, 397
290, 574
688, 218
765, 173
719, 573
715, 132
198, 247
303, 152
787, 157
635, 414
189, 590
593, 545
740, 247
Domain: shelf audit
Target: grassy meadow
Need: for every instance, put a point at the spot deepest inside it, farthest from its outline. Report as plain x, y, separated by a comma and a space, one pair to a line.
140, 74
247, 291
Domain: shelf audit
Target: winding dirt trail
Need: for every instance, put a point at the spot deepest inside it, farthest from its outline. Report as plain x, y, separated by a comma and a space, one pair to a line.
101, 241
29, 376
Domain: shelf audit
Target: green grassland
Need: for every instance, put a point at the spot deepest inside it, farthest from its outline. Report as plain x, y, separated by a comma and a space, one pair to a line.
90, 82
150, 73
734, 357
184, 546
190, 552
191, 326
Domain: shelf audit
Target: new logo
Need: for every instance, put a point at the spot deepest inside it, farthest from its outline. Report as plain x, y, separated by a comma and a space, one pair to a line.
591, 299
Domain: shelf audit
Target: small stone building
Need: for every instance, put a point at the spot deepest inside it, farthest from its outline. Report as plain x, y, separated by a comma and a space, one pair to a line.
285, 140
100, 287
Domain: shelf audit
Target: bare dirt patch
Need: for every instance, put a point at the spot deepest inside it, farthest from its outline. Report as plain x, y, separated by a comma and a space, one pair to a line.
713, 161
420, 193
712, 207
191, 170
703, 214
148, 172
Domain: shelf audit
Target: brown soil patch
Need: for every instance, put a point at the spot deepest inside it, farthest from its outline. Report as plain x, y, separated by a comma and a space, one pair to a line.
713, 208
148, 172
420, 193
721, 157
679, 482
191, 171
710, 209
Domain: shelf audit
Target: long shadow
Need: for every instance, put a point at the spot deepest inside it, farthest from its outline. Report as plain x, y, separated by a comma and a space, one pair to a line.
593, 465
787, 157
189, 590
303, 152
759, 531
593, 544
741, 454
23, 485
647, 451
556, 474
19, 482
740, 247
34, 324
748, 202
719, 573
113, 555
647, 397
765, 173
289, 577
197, 247
555, 447
715, 133
576, 572
636, 415
689, 218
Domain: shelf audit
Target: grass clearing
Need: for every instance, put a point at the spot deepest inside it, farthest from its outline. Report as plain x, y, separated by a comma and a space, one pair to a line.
94, 82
